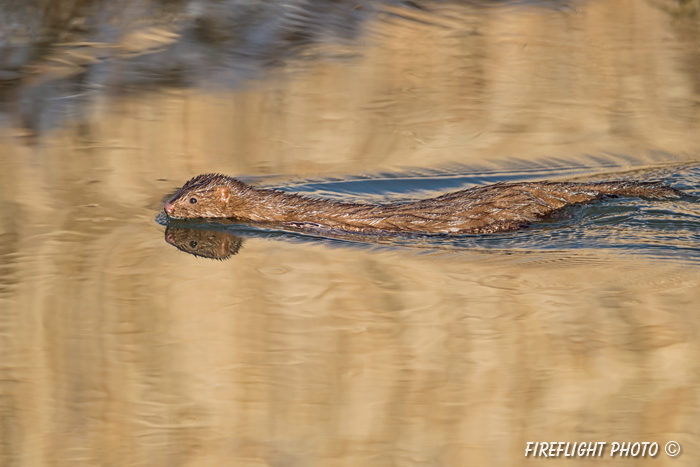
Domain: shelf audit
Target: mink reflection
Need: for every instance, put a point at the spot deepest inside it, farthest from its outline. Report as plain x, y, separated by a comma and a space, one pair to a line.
213, 244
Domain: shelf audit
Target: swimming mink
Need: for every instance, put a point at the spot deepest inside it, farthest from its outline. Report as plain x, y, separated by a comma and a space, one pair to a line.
479, 210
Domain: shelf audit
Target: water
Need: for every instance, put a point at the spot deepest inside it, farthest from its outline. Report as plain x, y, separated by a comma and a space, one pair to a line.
123, 343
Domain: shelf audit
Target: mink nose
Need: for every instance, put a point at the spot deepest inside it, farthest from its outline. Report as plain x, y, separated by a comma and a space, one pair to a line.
169, 208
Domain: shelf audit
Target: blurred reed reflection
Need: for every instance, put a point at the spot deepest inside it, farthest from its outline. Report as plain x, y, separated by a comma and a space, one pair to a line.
310, 354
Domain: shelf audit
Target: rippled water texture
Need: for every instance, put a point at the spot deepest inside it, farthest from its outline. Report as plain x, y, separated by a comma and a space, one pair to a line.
123, 341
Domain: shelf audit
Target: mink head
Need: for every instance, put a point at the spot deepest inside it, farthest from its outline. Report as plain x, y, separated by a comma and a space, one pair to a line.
205, 196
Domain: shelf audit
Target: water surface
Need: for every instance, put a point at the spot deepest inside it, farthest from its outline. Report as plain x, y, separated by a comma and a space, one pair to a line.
120, 349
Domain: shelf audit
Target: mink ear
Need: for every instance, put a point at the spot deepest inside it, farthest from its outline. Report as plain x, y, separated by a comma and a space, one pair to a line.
224, 194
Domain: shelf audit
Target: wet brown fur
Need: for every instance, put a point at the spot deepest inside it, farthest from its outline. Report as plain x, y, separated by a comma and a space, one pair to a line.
493, 208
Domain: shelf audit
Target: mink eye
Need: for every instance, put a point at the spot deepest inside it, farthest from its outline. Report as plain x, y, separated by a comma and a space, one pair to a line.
193, 244
193, 200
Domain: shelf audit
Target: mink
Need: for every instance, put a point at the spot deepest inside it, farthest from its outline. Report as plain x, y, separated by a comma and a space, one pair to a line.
493, 208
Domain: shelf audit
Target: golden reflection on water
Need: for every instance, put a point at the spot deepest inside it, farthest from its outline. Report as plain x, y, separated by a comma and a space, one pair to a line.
117, 349
306, 354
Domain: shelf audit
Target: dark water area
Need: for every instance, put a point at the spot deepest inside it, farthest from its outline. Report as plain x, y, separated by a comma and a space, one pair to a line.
127, 338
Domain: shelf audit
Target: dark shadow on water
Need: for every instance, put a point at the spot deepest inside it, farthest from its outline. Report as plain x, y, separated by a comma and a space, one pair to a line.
55, 57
